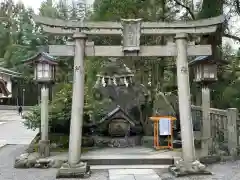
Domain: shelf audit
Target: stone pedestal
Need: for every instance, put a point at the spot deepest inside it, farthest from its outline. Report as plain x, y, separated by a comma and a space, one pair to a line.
80, 170
44, 148
182, 168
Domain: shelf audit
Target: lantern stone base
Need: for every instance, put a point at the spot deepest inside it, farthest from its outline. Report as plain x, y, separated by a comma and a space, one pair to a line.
182, 169
81, 170
44, 148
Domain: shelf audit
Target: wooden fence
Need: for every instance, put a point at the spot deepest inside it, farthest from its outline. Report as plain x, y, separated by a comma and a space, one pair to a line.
225, 128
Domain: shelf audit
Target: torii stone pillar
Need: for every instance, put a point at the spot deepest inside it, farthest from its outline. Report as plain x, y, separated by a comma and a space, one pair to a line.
74, 165
75, 140
188, 149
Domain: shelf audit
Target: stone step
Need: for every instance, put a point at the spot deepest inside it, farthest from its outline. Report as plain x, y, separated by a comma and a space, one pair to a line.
98, 167
129, 161
131, 156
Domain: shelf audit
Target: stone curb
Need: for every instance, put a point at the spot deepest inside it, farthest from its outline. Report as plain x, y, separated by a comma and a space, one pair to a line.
31, 146
2, 145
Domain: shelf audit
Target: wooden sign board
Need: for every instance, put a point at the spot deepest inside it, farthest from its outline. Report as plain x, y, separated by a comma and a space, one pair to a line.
165, 127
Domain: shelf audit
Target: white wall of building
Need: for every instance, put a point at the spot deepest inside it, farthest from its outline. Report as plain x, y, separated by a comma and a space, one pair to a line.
6, 78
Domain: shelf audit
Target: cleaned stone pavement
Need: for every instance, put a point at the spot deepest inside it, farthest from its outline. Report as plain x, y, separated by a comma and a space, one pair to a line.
9, 115
133, 174
7, 172
223, 171
13, 132
12, 129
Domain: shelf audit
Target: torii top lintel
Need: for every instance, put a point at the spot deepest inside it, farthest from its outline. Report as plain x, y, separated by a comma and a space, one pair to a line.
57, 26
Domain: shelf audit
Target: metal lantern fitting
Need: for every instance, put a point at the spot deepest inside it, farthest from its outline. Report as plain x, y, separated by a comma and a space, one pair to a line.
44, 67
205, 70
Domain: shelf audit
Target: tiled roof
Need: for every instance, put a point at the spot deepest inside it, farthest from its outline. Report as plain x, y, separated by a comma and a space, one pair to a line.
9, 72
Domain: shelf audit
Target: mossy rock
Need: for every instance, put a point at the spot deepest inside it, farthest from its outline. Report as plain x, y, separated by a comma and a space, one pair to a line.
62, 140
148, 141
210, 159
87, 142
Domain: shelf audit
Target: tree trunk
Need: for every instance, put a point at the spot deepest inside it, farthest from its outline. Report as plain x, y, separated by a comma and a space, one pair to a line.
210, 9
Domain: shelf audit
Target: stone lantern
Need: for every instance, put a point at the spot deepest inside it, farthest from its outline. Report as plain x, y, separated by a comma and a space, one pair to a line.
205, 73
44, 68
205, 70
44, 74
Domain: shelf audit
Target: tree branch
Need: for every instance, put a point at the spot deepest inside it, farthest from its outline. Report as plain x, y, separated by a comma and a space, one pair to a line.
237, 4
231, 37
186, 7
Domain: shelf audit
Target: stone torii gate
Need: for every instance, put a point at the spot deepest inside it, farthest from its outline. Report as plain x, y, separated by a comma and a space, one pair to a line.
131, 31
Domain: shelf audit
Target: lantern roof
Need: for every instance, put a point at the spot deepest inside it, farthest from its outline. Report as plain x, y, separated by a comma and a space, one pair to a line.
206, 60
41, 57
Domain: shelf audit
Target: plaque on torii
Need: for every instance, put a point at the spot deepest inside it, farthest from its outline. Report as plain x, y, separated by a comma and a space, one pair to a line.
131, 31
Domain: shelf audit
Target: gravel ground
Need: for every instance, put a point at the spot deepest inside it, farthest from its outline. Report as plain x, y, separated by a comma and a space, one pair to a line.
223, 171
7, 172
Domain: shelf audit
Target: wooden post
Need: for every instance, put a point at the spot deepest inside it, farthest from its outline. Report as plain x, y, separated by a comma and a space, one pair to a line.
206, 139
198, 99
232, 117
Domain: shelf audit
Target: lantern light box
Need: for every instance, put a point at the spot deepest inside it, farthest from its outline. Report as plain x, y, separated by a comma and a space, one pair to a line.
44, 67
205, 70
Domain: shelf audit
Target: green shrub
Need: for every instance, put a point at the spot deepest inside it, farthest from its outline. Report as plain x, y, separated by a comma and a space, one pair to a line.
59, 112
32, 118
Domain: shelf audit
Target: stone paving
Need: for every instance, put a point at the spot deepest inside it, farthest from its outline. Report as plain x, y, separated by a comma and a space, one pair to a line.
223, 171
12, 129
133, 174
9, 115
7, 172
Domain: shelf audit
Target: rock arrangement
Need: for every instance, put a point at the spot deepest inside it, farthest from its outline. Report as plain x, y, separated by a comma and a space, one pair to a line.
33, 160
117, 142
195, 168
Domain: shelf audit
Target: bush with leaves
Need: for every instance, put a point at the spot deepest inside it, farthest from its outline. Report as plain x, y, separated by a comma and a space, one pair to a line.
59, 112
32, 118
